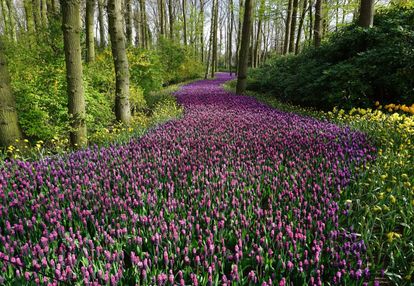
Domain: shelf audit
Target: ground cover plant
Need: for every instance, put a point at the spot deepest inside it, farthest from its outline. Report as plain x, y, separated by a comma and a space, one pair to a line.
235, 193
380, 202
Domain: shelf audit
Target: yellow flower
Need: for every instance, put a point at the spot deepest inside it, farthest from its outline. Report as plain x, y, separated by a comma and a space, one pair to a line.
381, 196
377, 209
393, 199
377, 103
383, 177
391, 236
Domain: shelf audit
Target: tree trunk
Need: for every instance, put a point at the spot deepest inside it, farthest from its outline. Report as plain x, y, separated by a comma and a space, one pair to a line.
12, 19
9, 127
202, 30
287, 30
43, 10
239, 29
230, 53
128, 22
317, 30
185, 21
37, 15
137, 26
28, 10
366, 13
161, 15
259, 34
214, 44
293, 26
301, 21
144, 32
244, 48
5, 17
90, 37
116, 32
101, 21
76, 100
171, 17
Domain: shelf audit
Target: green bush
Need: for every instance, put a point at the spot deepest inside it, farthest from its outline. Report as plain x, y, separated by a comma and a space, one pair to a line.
178, 63
354, 67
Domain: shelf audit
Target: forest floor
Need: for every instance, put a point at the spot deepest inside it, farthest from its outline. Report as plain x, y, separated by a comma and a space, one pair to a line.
233, 191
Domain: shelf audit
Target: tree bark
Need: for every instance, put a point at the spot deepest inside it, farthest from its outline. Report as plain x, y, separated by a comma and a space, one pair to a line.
230, 40
258, 35
43, 10
128, 22
293, 26
202, 29
12, 19
184, 21
90, 37
5, 16
102, 30
116, 32
317, 30
28, 10
239, 29
9, 127
144, 32
171, 17
366, 13
76, 100
37, 15
301, 21
287, 28
244, 48
137, 26
214, 43
161, 15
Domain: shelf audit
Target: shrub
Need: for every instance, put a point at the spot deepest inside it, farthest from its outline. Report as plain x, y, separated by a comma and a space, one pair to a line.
354, 67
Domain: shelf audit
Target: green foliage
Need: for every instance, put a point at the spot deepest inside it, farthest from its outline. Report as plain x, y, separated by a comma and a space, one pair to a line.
38, 75
146, 70
178, 63
354, 67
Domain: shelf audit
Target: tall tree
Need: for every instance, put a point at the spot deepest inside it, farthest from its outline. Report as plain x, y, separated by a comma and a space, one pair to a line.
171, 17
201, 29
90, 36
317, 30
258, 34
137, 25
28, 10
101, 21
161, 16
230, 36
12, 19
76, 100
9, 127
244, 47
116, 32
293, 26
366, 13
184, 6
144, 25
128, 22
214, 55
287, 27
37, 15
301, 22
239, 29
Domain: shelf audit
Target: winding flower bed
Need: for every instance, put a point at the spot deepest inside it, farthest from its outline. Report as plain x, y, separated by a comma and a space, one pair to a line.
233, 193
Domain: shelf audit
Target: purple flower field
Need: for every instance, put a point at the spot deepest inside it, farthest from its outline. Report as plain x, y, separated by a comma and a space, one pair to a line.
233, 193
